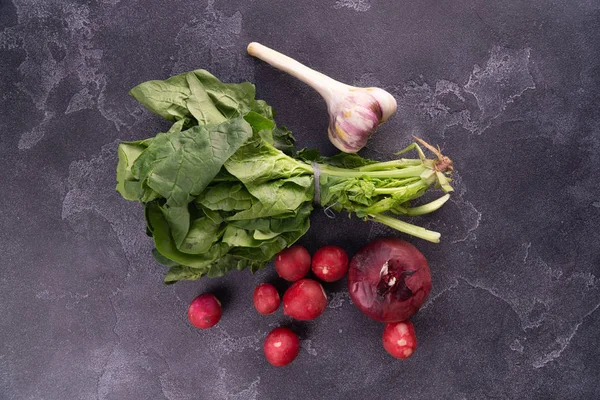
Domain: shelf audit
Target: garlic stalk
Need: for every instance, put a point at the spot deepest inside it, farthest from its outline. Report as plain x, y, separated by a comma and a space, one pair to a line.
354, 112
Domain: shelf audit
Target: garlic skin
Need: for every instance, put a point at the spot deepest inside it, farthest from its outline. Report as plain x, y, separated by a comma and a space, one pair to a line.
354, 113
356, 116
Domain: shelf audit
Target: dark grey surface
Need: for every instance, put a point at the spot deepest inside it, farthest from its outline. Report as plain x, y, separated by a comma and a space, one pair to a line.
509, 89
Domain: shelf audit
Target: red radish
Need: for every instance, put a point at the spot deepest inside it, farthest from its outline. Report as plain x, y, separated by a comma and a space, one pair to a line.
204, 311
304, 300
266, 299
399, 339
281, 346
293, 263
330, 263
389, 280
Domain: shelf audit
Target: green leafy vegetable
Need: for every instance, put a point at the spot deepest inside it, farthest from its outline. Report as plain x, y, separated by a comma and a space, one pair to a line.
180, 165
223, 189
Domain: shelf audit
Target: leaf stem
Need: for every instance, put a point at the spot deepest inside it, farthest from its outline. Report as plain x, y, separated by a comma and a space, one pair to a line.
426, 208
407, 228
407, 172
401, 163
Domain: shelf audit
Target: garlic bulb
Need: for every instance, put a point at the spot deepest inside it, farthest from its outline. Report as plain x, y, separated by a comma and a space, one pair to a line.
354, 112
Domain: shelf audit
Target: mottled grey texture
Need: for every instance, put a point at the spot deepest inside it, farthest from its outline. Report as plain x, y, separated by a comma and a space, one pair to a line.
509, 89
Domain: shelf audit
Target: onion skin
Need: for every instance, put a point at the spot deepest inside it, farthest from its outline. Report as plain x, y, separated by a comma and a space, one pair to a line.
389, 280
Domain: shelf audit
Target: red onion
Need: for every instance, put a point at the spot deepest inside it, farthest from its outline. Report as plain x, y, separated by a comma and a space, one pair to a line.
389, 280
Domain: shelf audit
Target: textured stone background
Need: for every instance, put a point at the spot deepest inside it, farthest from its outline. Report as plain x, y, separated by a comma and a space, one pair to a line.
509, 89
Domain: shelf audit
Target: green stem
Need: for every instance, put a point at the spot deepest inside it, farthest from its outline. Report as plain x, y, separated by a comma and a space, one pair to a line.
401, 163
397, 183
406, 186
425, 208
407, 228
388, 202
305, 167
348, 173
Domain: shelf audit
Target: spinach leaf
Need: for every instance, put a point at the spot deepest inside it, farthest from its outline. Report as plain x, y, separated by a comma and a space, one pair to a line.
178, 218
278, 198
180, 125
259, 122
165, 244
230, 263
226, 196
180, 165
200, 104
214, 216
202, 235
238, 237
220, 267
181, 272
263, 253
283, 140
258, 161
198, 95
261, 107
340, 160
278, 137
348, 161
276, 226
231, 99
128, 185
162, 259
166, 98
